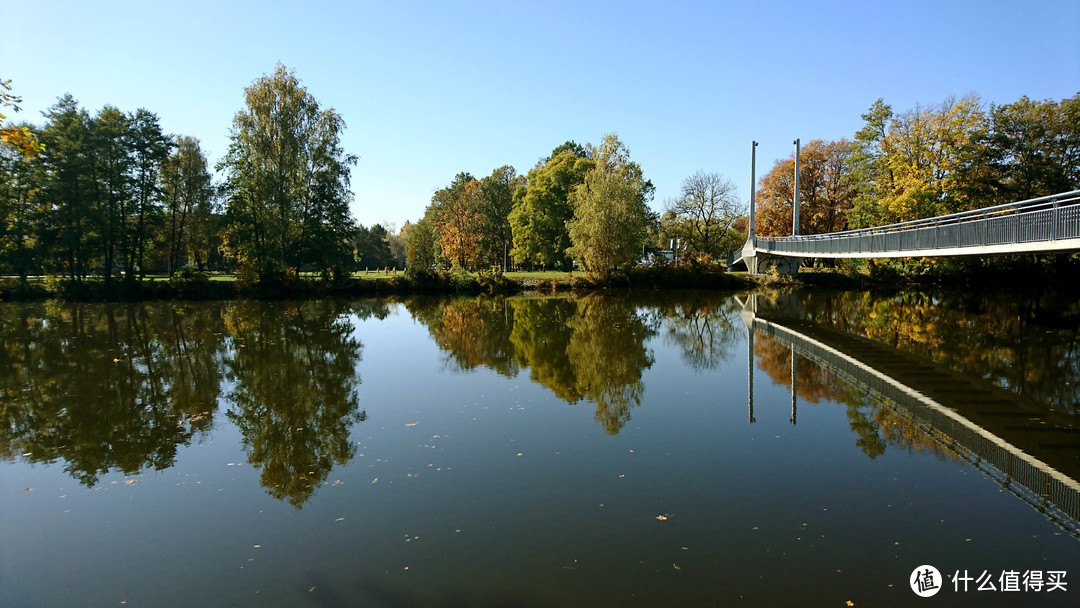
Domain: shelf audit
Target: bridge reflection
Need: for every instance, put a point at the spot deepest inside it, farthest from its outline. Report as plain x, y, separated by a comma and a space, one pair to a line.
1032, 451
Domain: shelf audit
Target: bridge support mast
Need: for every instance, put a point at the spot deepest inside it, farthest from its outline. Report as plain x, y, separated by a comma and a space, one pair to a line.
757, 262
795, 206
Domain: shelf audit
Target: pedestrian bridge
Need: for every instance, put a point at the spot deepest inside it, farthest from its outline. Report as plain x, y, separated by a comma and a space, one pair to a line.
1033, 452
1040, 225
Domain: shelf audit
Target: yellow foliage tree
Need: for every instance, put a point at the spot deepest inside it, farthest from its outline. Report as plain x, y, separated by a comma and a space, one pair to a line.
19, 137
459, 225
932, 154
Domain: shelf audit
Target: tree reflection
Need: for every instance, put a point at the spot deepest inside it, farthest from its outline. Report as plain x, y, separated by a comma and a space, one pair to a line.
294, 397
1028, 345
607, 352
474, 332
541, 337
876, 424
704, 327
590, 348
109, 387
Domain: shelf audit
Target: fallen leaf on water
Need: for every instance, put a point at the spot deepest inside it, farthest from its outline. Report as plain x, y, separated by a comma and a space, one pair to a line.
411, 423
850, 603
28, 489
661, 517
676, 566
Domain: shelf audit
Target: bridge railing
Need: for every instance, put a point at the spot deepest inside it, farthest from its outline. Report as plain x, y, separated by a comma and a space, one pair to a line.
1044, 219
1050, 492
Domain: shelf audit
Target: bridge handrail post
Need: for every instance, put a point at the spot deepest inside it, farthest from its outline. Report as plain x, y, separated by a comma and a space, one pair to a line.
1016, 222
1055, 218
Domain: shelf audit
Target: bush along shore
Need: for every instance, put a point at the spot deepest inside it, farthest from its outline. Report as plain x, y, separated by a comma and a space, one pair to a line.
199, 286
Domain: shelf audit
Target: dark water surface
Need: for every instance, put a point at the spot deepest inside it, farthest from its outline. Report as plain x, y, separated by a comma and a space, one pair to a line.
588, 451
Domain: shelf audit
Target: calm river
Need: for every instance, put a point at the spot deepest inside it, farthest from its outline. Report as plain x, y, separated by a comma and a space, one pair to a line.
643, 450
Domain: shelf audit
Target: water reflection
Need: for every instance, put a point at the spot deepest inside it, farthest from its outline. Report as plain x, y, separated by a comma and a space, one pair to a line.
703, 326
1030, 345
589, 348
894, 398
294, 395
120, 387
105, 388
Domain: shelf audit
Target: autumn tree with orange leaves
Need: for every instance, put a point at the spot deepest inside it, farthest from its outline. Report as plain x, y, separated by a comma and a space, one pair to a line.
824, 192
458, 221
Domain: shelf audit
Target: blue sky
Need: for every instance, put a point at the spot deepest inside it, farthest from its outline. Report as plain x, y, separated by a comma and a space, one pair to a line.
429, 89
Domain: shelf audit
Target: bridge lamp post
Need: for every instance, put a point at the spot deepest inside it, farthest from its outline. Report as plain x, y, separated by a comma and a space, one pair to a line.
753, 185
795, 213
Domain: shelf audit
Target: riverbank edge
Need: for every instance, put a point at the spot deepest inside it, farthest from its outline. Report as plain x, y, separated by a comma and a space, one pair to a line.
202, 288
199, 287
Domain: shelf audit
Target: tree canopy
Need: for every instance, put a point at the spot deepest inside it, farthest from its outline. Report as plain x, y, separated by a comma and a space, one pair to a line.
611, 213
703, 215
825, 193
542, 208
287, 180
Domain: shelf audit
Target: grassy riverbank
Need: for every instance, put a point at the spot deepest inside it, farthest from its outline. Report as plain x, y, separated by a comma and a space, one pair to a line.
1060, 271
199, 286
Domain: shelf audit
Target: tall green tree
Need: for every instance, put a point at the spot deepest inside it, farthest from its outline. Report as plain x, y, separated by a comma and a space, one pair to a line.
372, 248
113, 190
496, 203
421, 245
542, 208
188, 194
149, 149
1035, 147
69, 189
870, 178
611, 213
287, 179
